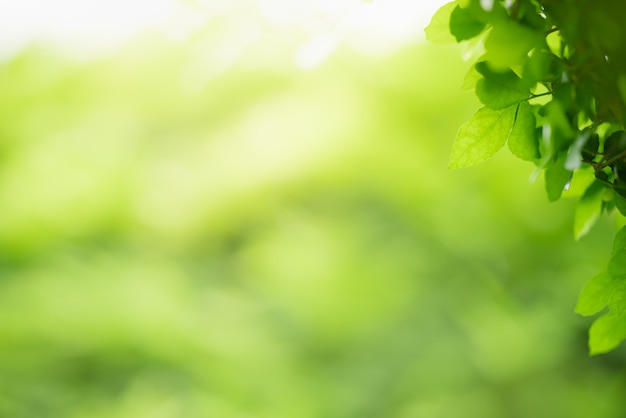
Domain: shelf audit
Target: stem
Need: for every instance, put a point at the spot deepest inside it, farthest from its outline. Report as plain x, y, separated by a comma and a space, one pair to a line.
612, 160
516, 8
534, 96
554, 29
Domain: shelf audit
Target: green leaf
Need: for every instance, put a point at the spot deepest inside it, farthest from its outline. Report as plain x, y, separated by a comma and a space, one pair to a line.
617, 301
471, 79
606, 333
617, 271
482, 136
580, 182
522, 141
591, 147
540, 67
617, 264
558, 121
438, 31
614, 144
508, 43
588, 210
619, 242
463, 24
620, 203
557, 177
498, 90
595, 295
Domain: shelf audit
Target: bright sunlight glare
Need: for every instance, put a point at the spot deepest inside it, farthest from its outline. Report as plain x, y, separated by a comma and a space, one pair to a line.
91, 28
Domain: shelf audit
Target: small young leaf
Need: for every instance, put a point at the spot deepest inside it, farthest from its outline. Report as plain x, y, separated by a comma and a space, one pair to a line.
482, 136
557, 177
438, 31
595, 295
588, 210
463, 24
498, 90
606, 333
522, 141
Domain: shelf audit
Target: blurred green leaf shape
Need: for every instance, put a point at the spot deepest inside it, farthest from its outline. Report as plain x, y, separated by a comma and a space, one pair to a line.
589, 209
620, 203
498, 90
463, 24
617, 263
556, 178
509, 42
471, 79
574, 156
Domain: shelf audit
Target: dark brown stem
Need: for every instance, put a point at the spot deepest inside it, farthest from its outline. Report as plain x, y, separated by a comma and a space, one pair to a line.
516, 9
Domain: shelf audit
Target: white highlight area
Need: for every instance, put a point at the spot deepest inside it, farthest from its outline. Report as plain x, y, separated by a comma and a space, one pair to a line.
92, 27
88, 26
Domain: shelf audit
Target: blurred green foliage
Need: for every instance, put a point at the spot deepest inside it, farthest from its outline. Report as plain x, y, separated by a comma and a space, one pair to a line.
180, 240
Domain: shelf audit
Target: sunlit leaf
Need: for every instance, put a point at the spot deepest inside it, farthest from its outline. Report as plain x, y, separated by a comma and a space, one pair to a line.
522, 141
471, 79
595, 295
606, 333
482, 136
438, 31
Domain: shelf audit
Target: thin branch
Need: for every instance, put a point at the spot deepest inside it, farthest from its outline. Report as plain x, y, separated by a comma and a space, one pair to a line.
516, 9
614, 159
554, 29
534, 96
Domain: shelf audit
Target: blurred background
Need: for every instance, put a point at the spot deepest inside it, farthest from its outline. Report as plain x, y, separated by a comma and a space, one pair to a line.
243, 209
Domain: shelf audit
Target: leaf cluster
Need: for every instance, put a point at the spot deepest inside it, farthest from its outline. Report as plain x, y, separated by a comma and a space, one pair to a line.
551, 77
